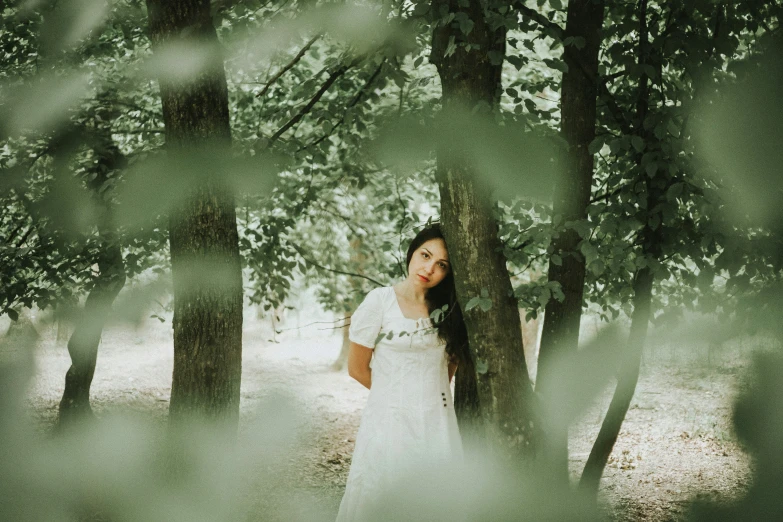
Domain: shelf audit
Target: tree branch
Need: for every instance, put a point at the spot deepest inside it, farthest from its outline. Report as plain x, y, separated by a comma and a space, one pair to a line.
14, 233
356, 99
336, 74
539, 18
304, 256
24, 237
289, 65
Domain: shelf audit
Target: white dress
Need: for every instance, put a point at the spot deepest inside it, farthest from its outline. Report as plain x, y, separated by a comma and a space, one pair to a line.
409, 418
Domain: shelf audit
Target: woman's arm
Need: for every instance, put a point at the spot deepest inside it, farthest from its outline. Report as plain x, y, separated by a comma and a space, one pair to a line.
359, 364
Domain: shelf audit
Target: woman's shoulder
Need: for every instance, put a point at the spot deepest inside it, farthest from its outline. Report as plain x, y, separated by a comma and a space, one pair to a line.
381, 290
381, 293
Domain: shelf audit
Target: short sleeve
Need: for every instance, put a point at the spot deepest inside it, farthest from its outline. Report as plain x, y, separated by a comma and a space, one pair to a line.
367, 319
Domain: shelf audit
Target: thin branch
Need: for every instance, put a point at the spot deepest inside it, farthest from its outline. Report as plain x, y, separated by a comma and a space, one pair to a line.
529, 264
356, 99
540, 19
341, 217
309, 261
290, 65
24, 237
139, 131
13, 234
336, 74
609, 194
281, 330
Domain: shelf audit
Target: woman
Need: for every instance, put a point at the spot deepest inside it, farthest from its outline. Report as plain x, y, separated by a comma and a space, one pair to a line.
407, 362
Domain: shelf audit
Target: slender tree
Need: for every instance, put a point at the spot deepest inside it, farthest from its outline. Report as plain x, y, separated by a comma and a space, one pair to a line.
205, 262
560, 335
85, 339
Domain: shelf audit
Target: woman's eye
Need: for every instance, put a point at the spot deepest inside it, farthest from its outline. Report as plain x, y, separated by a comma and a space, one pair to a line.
425, 255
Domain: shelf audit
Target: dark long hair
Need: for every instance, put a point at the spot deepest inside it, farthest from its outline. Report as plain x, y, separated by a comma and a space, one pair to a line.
450, 326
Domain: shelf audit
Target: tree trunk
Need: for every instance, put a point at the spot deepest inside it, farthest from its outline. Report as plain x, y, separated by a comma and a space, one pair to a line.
560, 333
470, 79
342, 359
626, 384
466, 402
86, 337
205, 263
652, 237
358, 260
83, 344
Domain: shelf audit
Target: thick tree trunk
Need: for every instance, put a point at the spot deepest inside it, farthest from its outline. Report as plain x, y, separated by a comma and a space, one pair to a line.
560, 333
470, 78
652, 237
205, 263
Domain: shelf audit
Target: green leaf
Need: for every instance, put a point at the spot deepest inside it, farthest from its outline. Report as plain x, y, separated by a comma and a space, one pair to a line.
473, 303
576, 41
597, 267
482, 366
638, 143
484, 292
674, 191
673, 129
13, 314
466, 26
485, 304
596, 145
545, 295
651, 168
556, 259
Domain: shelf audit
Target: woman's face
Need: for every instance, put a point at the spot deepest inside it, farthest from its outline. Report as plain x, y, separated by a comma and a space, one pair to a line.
429, 264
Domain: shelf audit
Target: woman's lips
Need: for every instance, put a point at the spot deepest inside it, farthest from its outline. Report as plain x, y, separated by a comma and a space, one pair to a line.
424, 279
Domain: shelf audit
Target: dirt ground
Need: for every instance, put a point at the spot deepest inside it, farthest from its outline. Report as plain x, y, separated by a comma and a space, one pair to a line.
676, 442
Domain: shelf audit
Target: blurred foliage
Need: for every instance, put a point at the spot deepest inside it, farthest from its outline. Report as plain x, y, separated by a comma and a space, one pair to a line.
334, 112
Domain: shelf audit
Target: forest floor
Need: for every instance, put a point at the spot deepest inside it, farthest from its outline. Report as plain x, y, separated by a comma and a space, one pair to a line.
676, 443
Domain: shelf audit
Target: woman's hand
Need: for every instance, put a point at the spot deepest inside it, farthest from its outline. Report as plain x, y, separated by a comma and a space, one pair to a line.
359, 364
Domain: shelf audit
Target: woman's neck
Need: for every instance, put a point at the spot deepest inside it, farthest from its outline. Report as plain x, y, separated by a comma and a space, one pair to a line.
412, 292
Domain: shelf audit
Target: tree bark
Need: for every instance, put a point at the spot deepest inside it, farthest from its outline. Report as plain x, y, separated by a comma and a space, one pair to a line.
358, 260
652, 237
342, 359
626, 384
560, 333
470, 78
466, 402
205, 262
86, 337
